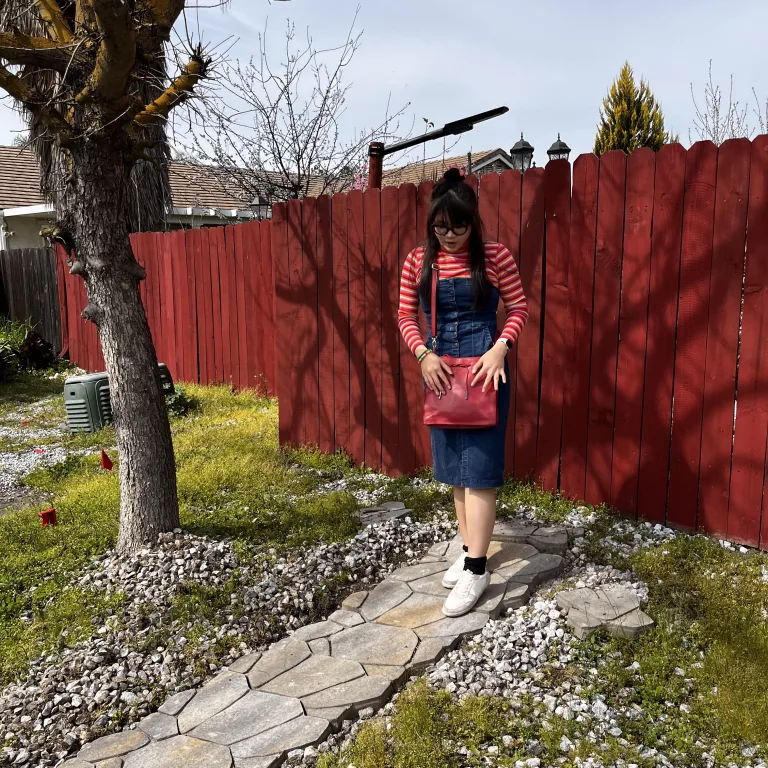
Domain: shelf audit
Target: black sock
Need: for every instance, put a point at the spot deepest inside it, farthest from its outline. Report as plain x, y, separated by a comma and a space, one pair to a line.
475, 565
465, 548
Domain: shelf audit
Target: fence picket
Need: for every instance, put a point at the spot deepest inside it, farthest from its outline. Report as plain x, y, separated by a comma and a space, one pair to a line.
729, 250
605, 325
528, 346
285, 320
510, 200
749, 447
373, 325
390, 335
422, 442
340, 320
693, 310
581, 277
557, 180
411, 392
253, 292
357, 374
666, 240
633, 330
228, 305
325, 320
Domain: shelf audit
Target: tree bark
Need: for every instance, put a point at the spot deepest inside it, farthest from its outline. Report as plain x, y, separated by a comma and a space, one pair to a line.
97, 213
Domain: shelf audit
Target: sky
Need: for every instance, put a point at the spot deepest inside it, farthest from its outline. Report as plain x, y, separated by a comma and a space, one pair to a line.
551, 62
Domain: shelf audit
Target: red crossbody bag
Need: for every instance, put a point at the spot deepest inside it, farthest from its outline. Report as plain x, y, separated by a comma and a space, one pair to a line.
462, 406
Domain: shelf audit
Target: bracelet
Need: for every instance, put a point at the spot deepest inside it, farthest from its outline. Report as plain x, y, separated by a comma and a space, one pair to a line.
423, 355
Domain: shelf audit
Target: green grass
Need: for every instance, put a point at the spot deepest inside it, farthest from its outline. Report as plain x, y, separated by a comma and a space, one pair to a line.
234, 481
551, 508
426, 726
29, 387
710, 606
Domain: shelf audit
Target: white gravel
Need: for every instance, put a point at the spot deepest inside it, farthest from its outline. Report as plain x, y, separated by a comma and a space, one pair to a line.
135, 660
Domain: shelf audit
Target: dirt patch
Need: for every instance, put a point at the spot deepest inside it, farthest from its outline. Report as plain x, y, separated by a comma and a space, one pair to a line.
18, 496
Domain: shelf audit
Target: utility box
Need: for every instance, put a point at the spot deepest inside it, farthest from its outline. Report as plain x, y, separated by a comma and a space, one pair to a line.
87, 401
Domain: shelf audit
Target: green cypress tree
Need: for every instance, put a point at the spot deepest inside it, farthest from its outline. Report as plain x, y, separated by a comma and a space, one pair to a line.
631, 117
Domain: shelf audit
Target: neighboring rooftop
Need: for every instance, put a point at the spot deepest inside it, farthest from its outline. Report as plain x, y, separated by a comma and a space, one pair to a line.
196, 186
192, 186
431, 170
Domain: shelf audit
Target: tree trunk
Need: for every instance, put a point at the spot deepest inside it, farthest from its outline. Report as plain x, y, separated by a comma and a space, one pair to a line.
97, 205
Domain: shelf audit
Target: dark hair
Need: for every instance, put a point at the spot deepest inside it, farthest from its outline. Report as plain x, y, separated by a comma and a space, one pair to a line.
457, 201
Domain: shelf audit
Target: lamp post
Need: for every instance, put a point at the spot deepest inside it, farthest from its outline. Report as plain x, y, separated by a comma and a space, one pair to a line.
559, 150
522, 155
261, 208
377, 150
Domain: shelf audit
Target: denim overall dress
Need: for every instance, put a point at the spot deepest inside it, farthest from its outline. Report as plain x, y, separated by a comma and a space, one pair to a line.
468, 458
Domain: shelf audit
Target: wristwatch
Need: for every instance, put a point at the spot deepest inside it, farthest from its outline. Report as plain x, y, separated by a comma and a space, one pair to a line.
507, 343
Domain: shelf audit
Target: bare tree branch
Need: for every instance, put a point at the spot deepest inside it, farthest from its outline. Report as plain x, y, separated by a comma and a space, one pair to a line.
42, 112
180, 89
116, 57
18, 48
276, 130
50, 13
716, 121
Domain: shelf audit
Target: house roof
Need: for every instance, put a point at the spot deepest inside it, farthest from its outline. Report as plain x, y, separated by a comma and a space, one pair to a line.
431, 170
192, 186
199, 186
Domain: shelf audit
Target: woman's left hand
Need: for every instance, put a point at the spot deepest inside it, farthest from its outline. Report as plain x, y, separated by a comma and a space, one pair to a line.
491, 365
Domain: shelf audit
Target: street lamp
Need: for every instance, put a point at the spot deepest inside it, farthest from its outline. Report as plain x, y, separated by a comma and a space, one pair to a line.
261, 208
559, 150
522, 155
377, 150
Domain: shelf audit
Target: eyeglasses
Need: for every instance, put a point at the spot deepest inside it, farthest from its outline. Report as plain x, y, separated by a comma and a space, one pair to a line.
441, 230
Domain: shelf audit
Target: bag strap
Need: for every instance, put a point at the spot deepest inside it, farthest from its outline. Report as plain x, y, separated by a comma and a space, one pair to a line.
434, 305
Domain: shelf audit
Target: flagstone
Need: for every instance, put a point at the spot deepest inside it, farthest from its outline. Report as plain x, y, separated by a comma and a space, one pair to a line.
375, 644
416, 611
278, 659
318, 629
412, 572
177, 702
504, 553
359, 694
159, 726
212, 698
346, 618
469, 624
245, 663
533, 571
253, 714
296, 734
114, 745
315, 674
354, 601
180, 751
490, 600
384, 597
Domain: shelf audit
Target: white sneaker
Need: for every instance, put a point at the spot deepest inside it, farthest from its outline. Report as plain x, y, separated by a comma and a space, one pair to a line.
451, 576
466, 593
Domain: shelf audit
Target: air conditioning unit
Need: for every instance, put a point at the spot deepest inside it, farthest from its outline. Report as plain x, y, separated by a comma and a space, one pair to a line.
87, 401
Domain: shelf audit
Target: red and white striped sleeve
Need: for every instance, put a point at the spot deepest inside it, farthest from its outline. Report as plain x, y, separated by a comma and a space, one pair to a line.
408, 311
511, 290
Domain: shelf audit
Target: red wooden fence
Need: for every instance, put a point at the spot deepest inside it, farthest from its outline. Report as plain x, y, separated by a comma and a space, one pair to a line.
646, 278
209, 302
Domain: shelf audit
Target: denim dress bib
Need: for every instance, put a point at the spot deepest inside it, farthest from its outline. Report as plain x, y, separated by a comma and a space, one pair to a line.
468, 458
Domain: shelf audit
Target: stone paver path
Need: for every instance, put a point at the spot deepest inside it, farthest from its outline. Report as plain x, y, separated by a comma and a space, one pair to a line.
293, 695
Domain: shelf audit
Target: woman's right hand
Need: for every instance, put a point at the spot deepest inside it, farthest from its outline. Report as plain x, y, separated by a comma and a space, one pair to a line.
436, 373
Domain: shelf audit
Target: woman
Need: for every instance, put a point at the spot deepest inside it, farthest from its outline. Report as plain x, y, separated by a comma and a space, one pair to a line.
473, 275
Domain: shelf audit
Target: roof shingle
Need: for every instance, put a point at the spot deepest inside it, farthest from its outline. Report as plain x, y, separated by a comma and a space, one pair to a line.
192, 186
